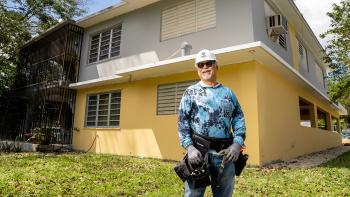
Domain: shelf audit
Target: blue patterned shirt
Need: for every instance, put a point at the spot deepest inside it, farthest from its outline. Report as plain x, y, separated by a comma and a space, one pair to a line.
210, 111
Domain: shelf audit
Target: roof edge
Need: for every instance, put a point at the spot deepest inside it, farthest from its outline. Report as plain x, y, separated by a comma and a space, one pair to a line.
121, 3
47, 32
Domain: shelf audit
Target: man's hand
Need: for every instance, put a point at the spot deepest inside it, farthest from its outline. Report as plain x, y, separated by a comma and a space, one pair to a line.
194, 156
231, 153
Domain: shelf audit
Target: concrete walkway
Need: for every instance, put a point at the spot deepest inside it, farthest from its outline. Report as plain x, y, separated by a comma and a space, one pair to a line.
311, 160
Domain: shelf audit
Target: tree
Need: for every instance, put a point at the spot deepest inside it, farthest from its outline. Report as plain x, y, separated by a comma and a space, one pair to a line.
338, 53
23, 19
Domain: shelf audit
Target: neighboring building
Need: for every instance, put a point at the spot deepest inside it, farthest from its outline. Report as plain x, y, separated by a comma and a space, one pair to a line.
41, 96
133, 72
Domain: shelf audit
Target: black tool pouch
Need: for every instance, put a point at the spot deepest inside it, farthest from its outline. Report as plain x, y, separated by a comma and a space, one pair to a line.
240, 163
182, 169
196, 175
199, 174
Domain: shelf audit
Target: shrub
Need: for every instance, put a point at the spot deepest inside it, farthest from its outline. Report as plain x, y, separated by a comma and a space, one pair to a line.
41, 136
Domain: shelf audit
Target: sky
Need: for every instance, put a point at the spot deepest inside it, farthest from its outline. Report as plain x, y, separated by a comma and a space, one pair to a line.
314, 12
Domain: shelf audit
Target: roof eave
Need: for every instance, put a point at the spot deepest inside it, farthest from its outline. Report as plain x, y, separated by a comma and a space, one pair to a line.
123, 7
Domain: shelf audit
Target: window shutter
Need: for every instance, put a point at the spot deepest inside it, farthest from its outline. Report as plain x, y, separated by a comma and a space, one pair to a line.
187, 17
301, 49
206, 14
169, 97
169, 23
282, 40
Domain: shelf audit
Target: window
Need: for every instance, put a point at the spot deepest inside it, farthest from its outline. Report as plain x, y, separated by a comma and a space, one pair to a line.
322, 122
105, 44
169, 97
306, 113
302, 57
103, 110
188, 17
282, 40
320, 77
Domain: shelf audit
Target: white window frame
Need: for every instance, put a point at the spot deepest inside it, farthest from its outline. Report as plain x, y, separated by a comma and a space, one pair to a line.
97, 110
119, 27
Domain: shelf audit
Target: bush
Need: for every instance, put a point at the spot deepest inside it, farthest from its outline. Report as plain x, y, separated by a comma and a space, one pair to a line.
41, 136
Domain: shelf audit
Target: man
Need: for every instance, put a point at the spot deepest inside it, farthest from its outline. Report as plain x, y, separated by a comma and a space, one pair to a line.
209, 109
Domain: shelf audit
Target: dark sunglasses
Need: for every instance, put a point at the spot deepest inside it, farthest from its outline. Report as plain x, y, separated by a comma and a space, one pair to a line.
208, 63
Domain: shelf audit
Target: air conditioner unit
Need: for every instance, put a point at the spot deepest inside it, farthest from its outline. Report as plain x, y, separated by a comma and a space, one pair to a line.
276, 25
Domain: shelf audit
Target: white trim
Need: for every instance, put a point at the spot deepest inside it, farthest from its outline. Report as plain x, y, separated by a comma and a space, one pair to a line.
188, 57
121, 3
247, 46
90, 83
290, 68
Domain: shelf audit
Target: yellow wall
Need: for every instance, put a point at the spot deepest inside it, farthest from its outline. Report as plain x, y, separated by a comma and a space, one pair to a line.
143, 133
281, 136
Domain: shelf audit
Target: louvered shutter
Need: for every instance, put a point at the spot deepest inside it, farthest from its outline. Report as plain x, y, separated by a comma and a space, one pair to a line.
187, 18
169, 97
169, 23
205, 14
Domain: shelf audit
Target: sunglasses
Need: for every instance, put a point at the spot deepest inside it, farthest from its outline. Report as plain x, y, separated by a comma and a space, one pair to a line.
208, 63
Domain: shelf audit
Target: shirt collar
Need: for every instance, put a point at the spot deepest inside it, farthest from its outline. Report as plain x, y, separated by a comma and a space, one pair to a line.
208, 86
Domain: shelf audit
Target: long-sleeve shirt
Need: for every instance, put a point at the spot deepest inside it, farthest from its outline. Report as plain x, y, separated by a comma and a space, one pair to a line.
212, 112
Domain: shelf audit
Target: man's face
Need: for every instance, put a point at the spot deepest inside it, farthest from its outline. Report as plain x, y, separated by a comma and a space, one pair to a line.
207, 71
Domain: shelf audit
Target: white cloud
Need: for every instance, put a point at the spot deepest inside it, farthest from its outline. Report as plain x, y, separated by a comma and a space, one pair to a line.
314, 12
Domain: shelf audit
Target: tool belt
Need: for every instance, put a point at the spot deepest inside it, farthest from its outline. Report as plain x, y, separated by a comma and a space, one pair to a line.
198, 175
204, 143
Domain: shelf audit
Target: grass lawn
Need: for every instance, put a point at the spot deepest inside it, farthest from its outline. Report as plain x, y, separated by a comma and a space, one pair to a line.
105, 175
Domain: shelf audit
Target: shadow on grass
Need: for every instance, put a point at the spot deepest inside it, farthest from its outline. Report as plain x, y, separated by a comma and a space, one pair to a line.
342, 161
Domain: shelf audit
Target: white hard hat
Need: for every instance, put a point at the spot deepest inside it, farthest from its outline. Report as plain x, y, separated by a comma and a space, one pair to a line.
205, 55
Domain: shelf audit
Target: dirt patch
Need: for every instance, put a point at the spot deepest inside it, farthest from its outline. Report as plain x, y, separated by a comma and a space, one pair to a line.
310, 160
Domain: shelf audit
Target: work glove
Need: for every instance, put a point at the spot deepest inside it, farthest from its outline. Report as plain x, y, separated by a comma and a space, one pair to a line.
231, 153
193, 155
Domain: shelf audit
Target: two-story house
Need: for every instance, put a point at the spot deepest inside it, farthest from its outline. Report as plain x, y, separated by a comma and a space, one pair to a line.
137, 58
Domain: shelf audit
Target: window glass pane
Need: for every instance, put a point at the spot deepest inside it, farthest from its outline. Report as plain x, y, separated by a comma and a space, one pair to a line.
114, 117
91, 113
113, 123
90, 124
115, 106
91, 118
104, 123
103, 112
115, 112
92, 108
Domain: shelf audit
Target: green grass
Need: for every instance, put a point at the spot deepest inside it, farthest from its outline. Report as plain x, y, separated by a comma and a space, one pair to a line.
34, 174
